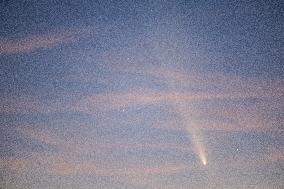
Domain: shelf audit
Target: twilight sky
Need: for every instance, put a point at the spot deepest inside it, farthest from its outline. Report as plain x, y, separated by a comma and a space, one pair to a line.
141, 95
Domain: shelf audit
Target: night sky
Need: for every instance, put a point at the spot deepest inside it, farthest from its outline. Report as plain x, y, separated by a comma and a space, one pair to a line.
141, 95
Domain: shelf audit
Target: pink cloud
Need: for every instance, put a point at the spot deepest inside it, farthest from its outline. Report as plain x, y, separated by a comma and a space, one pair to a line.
86, 145
41, 41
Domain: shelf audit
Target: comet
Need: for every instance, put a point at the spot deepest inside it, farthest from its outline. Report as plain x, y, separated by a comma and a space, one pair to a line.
194, 133
183, 111
197, 142
200, 151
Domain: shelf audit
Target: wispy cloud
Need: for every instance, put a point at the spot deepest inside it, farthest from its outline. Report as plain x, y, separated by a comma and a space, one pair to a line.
229, 116
64, 168
42, 41
59, 165
85, 146
71, 156
117, 100
43, 136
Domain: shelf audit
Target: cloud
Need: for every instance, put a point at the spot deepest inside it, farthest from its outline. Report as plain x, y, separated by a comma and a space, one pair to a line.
62, 165
185, 87
84, 146
43, 136
18, 165
133, 60
42, 41
63, 168
239, 121
117, 99
72, 156
20, 104
230, 116
226, 96
98, 102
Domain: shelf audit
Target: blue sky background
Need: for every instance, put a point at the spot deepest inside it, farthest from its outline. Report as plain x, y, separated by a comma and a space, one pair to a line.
152, 94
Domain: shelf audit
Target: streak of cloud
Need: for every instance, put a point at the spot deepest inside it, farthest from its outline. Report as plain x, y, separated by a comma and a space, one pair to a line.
65, 165
86, 146
116, 100
42, 41
59, 165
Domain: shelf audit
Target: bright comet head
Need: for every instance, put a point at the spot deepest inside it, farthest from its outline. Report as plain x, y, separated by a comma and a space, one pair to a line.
203, 158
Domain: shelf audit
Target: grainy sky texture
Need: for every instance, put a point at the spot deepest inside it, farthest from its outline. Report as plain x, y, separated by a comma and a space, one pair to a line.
141, 94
